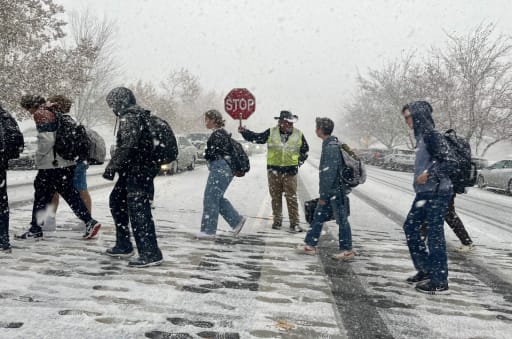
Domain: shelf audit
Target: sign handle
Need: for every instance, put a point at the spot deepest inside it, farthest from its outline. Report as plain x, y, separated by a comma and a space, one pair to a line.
240, 119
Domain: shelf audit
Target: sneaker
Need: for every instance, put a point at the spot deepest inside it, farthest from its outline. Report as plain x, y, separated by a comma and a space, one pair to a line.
50, 225
276, 225
119, 253
140, 262
306, 249
418, 277
344, 256
30, 236
239, 227
91, 229
465, 248
428, 288
294, 229
205, 236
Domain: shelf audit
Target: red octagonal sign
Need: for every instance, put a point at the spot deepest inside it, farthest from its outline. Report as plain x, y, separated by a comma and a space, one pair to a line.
240, 103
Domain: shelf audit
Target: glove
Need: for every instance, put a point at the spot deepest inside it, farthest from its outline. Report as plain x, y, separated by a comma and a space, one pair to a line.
109, 174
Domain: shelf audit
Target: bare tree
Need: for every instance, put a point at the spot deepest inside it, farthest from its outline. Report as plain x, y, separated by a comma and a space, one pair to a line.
375, 111
475, 85
96, 39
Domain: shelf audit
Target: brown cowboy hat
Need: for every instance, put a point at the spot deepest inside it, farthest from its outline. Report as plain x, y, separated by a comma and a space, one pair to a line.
288, 116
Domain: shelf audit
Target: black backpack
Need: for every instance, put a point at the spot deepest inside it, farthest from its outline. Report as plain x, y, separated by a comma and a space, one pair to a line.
239, 160
464, 174
11, 138
71, 140
163, 141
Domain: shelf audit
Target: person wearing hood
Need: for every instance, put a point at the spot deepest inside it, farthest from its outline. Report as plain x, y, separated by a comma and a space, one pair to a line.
287, 151
433, 189
130, 200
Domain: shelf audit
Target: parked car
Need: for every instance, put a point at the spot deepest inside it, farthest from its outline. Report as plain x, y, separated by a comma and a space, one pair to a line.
27, 159
400, 159
199, 140
497, 176
187, 156
480, 162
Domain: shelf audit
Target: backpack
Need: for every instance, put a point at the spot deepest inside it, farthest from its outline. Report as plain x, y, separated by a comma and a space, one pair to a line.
353, 171
464, 174
239, 160
71, 141
163, 141
97, 149
11, 138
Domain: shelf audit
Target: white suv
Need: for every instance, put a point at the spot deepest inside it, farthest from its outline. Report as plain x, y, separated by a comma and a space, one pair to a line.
400, 159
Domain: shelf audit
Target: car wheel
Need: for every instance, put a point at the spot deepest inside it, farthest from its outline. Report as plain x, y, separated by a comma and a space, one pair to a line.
480, 182
192, 165
509, 187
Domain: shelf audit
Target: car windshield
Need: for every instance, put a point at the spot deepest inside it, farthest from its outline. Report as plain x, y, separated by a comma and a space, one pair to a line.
198, 136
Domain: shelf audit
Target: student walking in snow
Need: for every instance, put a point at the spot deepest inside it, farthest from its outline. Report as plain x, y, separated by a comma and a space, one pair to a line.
333, 195
54, 174
433, 189
218, 150
62, 104
130, 200
11, 144
287, 151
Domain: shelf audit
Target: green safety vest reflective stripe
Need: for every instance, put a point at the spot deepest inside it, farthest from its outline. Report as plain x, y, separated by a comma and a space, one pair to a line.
286, 154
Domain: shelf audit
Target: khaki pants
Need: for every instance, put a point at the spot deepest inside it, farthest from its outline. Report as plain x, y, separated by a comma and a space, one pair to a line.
278, 184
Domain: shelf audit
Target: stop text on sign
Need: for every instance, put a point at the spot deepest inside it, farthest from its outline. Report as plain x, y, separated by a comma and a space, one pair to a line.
240, 104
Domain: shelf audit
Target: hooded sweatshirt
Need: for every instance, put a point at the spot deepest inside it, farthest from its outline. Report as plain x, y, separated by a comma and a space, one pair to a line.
432, 151
133, 142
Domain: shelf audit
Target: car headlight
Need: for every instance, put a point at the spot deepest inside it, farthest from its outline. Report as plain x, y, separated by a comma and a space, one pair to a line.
165, 167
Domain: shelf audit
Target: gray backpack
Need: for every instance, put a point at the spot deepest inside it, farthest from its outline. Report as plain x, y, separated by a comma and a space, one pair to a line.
97, 149
353, 171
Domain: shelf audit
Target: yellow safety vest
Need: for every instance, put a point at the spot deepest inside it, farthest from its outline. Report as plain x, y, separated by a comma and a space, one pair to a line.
286, 154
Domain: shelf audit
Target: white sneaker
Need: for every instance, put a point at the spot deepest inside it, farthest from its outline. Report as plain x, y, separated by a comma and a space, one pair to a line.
50, 225
205, 236
465, 248
239, 227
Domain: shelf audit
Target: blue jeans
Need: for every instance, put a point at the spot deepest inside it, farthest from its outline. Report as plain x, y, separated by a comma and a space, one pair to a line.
214, 202
428, 208
337, 205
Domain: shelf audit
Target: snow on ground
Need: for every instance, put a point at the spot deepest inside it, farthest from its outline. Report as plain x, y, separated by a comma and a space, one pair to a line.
254, 286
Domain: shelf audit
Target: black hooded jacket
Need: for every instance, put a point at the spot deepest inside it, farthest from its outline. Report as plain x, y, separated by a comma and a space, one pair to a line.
133, 143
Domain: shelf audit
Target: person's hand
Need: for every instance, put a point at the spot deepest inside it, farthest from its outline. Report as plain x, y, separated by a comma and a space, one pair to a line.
109, 174
422, 178
322, 202
241, 129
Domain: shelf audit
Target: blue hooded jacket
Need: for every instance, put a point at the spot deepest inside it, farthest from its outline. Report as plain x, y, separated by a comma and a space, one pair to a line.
432, 151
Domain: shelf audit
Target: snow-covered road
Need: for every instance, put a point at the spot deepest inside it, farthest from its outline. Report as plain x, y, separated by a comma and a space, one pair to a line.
255, 286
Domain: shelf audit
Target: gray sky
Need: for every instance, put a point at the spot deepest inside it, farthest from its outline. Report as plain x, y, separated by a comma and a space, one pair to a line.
292, 54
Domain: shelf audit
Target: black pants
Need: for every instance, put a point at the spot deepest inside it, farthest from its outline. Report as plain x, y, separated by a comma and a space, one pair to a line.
453, 220
4, 211
49, 181
130, 203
